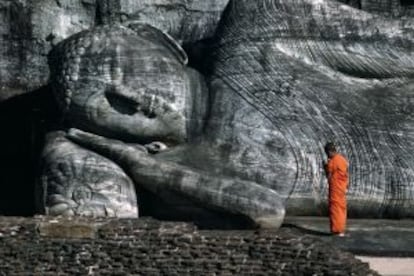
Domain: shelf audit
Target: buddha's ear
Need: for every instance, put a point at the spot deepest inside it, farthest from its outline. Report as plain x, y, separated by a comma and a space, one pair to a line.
151, 32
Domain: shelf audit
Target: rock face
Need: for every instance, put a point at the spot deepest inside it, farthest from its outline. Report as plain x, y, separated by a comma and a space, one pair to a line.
28, 31
186, 20
279, 91
280, 79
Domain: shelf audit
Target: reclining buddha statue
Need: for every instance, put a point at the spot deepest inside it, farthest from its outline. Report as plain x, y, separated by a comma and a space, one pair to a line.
246, 135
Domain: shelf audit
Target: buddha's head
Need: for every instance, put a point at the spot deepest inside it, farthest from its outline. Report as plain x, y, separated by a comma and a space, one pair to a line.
125, 83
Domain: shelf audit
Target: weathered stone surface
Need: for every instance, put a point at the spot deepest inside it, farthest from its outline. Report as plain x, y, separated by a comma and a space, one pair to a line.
389, 7
284, 77
186, 20
279, 91
394, 8
77, 182
28, 29
150, 247
67, 230
325, 79
262, 205
128, 83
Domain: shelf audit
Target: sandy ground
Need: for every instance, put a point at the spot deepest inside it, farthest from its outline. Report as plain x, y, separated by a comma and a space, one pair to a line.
388, 266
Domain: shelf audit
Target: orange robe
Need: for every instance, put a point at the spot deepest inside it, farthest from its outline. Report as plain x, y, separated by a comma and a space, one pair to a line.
337, 172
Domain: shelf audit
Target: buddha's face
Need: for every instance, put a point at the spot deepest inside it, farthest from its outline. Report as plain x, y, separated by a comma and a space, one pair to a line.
124, 84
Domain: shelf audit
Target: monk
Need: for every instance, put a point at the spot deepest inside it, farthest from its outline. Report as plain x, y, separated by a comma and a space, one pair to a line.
337, 173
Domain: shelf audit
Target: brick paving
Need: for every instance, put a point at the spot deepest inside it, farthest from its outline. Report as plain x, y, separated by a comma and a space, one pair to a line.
61, 246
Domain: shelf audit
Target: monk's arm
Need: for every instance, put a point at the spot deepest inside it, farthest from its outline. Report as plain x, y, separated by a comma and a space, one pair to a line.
327, 169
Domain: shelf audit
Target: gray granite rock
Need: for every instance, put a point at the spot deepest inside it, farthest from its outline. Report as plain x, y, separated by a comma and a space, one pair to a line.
78, 182
28, 30
186, 20
284, 78
312, 72
128, 83
233, 195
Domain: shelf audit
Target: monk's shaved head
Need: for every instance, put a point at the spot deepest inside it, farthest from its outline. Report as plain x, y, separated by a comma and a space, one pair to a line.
330, 147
